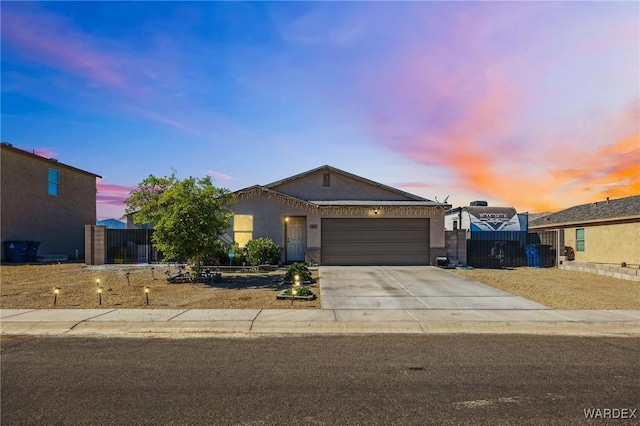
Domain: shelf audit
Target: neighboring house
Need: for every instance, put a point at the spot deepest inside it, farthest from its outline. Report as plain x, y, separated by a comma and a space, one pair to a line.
46, 201
604, 232
332, 217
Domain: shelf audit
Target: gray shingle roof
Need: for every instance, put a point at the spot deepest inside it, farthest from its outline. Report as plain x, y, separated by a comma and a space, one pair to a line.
628, 207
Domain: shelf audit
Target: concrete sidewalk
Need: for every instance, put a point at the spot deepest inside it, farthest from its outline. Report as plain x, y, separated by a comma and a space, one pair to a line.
189, 322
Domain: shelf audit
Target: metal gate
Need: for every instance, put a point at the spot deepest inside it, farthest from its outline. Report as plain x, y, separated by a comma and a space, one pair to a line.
502, 249
131, 246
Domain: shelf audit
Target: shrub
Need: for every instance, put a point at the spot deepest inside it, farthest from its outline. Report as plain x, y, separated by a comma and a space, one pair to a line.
263, 251
217, 256
240, 254
300, 291
298, 268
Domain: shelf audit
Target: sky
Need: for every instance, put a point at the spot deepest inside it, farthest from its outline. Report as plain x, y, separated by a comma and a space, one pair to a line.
534, 105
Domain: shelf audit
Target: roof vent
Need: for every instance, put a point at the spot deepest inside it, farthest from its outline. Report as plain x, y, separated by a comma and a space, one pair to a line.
479, 204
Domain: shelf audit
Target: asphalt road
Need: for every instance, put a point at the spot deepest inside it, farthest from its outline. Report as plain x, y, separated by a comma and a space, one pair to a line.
317, 380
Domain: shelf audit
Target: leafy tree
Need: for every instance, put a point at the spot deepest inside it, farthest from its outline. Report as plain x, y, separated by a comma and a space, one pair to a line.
188, 215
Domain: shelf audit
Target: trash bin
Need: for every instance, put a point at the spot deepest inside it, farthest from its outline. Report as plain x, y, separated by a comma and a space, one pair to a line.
533, 256
16, 251
32, 251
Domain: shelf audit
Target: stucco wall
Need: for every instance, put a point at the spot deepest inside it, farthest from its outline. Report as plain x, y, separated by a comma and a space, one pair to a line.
341, 187
269, 212
30, 213
612, 244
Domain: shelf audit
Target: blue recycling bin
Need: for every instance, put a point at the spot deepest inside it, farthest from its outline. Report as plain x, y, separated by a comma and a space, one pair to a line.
16, 251
533, 256
32, 251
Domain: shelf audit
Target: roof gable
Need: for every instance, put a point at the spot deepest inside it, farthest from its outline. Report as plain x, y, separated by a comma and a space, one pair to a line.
608, 210
329, 183
51, 162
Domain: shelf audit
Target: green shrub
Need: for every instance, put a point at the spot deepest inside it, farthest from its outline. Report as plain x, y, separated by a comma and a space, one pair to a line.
298, 268
300, 291
240, 255
217, 256
263, 251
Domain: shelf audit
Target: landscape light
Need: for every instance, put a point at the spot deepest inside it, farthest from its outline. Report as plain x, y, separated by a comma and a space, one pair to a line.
99, 290
153, 277
56, 291
146, 294
128, 282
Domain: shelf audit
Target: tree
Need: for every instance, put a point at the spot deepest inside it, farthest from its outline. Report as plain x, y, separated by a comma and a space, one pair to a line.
188, 215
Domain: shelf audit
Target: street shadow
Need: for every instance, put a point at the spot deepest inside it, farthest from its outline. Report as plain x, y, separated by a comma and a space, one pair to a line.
252, 281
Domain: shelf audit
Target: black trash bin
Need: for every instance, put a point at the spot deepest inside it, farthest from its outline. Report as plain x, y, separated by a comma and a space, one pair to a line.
32, 251
16, 251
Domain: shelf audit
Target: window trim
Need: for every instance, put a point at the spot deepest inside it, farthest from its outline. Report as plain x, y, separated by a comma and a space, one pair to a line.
239, 230
580, 242
55, 183
326, 179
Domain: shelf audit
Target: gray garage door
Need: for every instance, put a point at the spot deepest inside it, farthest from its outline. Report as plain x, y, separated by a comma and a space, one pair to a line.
375, 241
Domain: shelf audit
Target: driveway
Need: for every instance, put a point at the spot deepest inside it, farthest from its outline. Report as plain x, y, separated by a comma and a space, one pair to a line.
410, 287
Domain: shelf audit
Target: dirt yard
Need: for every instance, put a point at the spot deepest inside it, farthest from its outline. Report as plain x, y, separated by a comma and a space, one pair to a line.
561, 289
31, 286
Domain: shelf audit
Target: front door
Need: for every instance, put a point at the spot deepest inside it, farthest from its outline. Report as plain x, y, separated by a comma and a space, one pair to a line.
296, 238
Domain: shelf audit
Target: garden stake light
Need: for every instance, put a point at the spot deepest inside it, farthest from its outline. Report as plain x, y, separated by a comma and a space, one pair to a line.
146, 293
99, 290
128, 282
56, 290
153, 277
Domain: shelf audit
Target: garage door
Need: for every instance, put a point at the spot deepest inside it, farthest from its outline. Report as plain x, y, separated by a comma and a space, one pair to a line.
375, 241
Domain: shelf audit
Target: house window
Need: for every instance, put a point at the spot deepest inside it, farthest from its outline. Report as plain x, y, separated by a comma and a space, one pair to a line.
326, 179
455, 225
580, 239
242, 229
54, 182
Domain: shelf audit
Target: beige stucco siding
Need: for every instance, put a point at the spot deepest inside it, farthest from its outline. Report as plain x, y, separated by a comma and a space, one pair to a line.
30, 213
341, 187
268, 216
607, 243
270, 210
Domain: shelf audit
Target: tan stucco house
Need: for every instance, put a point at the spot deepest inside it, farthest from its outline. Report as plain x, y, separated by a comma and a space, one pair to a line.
605, 232
46, 201
331, 217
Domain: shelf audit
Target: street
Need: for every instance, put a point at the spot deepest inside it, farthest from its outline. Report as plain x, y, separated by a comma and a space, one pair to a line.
316, 380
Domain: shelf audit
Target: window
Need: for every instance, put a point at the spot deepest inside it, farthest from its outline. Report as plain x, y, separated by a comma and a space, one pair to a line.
455, 225
54, 182
580, 239
242, 229
326, 179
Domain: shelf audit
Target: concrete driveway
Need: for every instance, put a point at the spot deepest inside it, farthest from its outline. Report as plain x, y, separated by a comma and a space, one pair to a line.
410, 287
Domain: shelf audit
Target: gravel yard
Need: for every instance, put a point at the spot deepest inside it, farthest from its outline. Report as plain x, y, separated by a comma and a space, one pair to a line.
561, 289
30, 287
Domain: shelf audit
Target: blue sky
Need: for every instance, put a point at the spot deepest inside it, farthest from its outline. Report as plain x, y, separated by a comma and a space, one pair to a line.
534, 105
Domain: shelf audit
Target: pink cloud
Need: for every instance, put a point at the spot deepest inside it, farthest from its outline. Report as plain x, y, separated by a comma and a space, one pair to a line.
44, 152
112, 194
52, 41
478, 109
